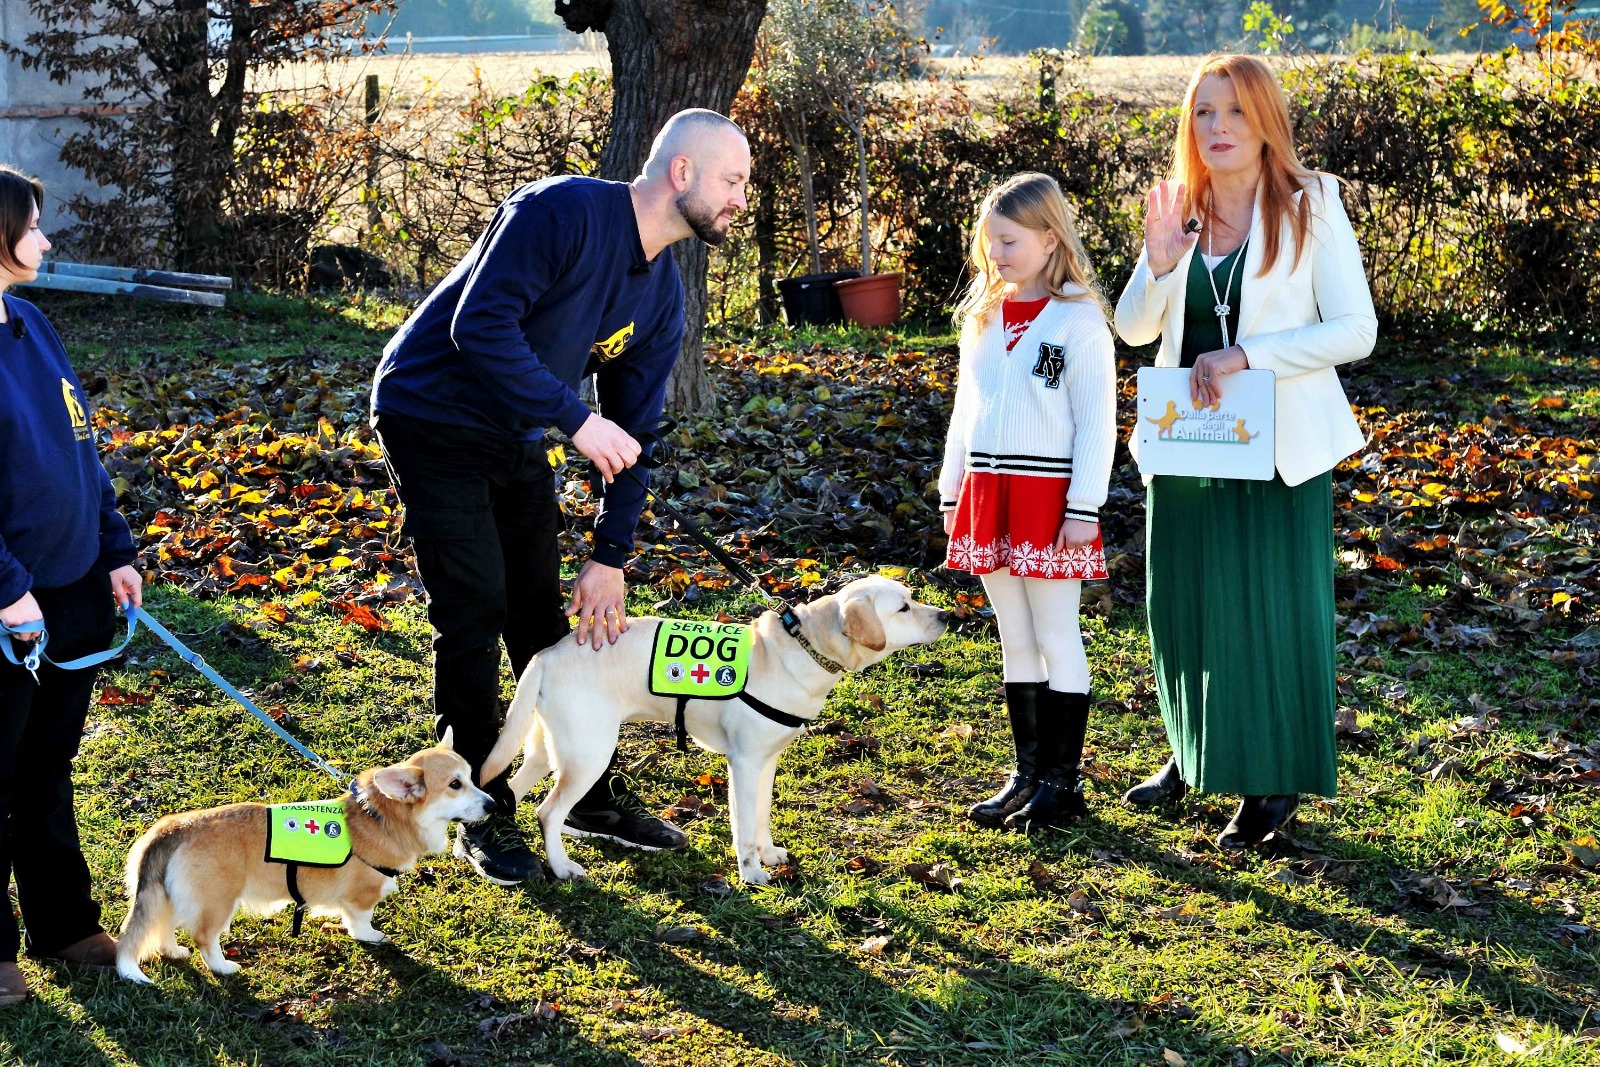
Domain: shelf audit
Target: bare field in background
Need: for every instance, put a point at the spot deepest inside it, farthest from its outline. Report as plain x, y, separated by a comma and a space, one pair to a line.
1138, 79
1146, 81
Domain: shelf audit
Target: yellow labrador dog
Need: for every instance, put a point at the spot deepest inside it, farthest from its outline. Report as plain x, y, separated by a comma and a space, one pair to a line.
572, 699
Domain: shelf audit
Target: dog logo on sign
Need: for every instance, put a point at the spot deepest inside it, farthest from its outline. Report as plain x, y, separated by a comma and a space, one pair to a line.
1052, 358
333, 830
726, 675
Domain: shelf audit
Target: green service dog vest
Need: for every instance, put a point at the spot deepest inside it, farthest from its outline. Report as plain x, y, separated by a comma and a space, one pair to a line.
706, 661
701, 660
312, 835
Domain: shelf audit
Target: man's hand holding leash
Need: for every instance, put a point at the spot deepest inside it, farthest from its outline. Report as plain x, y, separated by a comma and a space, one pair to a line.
608, 446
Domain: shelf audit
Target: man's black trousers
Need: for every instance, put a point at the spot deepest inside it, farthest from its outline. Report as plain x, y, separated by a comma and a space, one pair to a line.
484, 519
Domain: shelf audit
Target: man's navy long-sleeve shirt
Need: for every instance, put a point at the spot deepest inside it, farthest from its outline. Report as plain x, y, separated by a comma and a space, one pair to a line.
556, 289
58, 512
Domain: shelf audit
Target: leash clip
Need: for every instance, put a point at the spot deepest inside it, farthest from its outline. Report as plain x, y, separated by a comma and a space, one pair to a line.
787, 619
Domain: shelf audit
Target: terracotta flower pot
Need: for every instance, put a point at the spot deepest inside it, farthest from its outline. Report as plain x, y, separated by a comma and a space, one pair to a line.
870, 301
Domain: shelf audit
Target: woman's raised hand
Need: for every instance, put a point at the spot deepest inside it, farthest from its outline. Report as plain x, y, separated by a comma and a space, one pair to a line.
1165, 241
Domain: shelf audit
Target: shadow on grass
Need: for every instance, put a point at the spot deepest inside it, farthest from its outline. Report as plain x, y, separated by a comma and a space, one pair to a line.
747, 965
1366, 876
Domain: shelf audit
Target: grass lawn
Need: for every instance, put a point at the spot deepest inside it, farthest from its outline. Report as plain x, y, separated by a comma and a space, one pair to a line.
1441, 909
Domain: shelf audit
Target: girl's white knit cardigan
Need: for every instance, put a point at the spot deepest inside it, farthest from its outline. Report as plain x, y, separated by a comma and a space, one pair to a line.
1046, 408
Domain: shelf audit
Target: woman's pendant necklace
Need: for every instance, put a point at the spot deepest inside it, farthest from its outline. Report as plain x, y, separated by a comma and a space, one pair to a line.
1222, 307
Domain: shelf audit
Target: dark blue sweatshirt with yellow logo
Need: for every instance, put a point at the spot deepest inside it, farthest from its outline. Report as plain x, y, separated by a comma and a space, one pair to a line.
556, 289
58, 512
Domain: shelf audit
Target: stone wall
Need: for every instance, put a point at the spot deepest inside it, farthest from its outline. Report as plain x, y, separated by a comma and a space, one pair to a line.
36, 117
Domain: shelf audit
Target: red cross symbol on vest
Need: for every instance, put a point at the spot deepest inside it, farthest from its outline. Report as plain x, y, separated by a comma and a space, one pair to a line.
699, 674
311, 826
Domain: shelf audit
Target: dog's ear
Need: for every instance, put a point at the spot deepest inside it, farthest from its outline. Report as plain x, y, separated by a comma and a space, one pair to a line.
402, 782
449, 739
861, 623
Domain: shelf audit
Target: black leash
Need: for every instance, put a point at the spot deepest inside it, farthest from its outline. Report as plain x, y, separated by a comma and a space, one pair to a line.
652, 454
653, 444
652, 440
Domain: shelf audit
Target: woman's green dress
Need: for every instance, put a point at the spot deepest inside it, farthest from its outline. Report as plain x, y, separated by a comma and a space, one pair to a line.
1239, 587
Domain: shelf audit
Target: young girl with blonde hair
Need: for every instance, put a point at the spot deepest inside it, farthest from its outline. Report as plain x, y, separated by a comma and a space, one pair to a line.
1026, 466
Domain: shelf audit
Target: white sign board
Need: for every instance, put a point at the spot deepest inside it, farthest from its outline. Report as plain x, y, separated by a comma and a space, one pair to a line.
1231, 439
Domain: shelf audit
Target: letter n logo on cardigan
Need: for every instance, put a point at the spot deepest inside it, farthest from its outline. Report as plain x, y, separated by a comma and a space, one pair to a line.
1052, 358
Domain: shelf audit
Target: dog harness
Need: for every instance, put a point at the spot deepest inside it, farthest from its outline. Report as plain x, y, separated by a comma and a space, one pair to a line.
311, 835
706, 661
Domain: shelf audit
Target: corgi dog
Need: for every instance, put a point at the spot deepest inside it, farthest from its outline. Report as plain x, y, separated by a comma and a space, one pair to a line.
196, 869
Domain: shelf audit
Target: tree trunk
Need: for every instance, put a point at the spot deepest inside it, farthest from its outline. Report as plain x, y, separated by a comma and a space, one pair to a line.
857, 121
808, 191
667, 55
195, 199
766, 236
796, 132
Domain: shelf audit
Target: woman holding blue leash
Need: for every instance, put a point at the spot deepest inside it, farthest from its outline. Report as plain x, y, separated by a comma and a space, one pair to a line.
66, 560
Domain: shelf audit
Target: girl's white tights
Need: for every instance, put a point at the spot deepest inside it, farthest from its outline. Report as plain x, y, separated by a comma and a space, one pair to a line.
1039, 635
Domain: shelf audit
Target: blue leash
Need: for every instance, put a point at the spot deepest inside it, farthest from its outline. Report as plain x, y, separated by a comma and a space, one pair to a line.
35, 655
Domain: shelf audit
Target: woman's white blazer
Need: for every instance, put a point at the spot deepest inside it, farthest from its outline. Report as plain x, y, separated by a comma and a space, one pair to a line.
1300, 322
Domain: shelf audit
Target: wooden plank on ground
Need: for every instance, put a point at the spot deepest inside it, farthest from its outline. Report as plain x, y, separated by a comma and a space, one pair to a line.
75, 284
141, 275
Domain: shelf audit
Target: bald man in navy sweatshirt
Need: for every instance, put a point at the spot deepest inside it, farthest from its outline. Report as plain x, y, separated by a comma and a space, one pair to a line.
571, 278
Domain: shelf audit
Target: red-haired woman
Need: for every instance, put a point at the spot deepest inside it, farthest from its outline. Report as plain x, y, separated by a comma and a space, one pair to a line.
1240, 573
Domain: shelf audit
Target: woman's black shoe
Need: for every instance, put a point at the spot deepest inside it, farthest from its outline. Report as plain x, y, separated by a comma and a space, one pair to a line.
1022, 706
1055, 803
1166, 786
1257, 819
1058, 798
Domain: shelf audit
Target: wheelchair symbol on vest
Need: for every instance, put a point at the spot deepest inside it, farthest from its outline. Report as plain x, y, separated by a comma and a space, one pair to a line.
725, 675
674, 672
1052, 358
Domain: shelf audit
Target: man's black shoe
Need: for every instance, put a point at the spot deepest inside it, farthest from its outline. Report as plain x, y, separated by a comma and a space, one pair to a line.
496, 849
623, 819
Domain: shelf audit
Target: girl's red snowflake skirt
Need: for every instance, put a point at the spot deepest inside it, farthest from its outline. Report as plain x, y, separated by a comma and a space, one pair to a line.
1011, 520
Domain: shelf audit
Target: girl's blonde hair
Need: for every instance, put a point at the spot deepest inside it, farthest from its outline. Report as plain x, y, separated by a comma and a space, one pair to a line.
1035, 201
1282, 174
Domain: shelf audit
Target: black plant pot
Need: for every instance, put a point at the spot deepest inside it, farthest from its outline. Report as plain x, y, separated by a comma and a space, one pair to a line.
812, 299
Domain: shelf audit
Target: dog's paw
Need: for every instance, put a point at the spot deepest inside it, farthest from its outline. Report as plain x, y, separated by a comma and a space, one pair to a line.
222, 968
133, 974
773, 856
567, 870
175, 952
754, 876
369, 936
